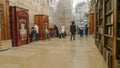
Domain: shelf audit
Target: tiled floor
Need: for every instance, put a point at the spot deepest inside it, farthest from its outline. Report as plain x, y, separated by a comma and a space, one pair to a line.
57, 53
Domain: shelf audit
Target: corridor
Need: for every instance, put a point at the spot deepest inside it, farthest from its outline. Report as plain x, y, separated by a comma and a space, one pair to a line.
57, 53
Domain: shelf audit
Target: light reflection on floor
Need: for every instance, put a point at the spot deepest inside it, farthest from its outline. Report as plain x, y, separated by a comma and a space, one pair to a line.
57, 53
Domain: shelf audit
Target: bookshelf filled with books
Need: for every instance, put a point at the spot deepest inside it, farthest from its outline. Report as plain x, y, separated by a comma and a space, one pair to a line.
118, 34
99, 25
108, 31
96, 24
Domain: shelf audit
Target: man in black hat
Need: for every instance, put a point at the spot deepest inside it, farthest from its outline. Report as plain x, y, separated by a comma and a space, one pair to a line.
72, 30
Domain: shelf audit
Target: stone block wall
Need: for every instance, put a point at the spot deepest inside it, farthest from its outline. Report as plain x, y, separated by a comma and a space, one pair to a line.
34, 7
61, 14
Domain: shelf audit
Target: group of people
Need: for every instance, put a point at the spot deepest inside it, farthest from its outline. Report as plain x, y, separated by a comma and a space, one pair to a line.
82, 30
60, 33
34, 33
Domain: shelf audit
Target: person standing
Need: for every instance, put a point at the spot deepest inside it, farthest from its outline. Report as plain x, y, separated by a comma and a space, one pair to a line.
47, 32
56, 31
72, 30
86, 30
32, 34
37, 30
81, 29
63, 31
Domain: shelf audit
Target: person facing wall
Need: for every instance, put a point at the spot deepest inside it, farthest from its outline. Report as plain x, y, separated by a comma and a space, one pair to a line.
33, 34
56, 31
37, 30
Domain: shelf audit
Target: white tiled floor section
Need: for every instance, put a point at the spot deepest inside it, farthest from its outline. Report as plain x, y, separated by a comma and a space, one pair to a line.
57, 53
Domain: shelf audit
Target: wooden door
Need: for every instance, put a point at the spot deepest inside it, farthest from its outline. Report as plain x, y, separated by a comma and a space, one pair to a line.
36, 20
42, 30
40, 20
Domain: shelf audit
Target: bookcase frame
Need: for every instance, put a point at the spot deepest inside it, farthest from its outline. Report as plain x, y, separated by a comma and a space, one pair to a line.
110, 31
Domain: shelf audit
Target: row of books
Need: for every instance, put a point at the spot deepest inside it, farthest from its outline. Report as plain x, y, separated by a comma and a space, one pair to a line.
101, 14
119, 15
101, 3
100, 47
97, 18
119, 30
110, 42
100, 30
118, 49
100, 22
97, 29
96, 36
118, 63
108, 57
109, 19
118, 43
109, 30
100, 37
108, 5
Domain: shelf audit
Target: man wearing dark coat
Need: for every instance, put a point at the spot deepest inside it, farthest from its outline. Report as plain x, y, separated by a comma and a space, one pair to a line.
72, 30
33, 34
56, 31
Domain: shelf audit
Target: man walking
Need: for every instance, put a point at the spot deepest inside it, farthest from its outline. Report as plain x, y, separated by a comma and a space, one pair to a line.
72, 30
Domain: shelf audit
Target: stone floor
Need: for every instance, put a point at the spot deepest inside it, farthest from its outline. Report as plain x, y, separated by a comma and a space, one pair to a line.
57, 53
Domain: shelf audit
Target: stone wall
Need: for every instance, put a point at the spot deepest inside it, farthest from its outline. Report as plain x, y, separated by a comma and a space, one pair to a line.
61, 13
34, 7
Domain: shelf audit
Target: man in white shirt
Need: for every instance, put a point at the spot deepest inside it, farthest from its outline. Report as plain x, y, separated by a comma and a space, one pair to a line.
63, 31
37, 30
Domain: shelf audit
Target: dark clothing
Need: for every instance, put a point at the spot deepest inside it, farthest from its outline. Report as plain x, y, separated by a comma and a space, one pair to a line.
56, 31
37, 37
86, 31
61, 35
73, 31
81, 32
72, 28
33, 35
72, 35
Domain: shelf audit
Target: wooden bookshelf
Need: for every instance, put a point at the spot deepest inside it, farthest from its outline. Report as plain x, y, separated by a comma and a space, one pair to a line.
109, 24
108, 17
118, 39
109, 12
99, 25
117, 55
109, 47
108, 36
